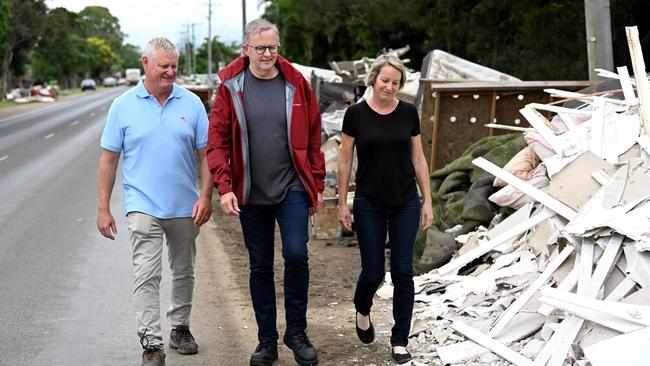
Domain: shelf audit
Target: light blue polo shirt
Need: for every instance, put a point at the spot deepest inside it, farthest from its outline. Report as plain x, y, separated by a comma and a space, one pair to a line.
159, 149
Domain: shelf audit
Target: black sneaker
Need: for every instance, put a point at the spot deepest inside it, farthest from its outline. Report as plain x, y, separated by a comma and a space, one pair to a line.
265, 354
303, 351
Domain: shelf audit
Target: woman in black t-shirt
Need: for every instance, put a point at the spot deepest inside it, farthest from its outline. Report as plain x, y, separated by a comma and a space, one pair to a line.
386, 134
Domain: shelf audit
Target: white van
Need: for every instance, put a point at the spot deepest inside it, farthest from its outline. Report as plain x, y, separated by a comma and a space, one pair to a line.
132, 76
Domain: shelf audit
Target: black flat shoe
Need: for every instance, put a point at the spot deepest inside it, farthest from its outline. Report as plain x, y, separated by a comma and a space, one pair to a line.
401, 358
366, 336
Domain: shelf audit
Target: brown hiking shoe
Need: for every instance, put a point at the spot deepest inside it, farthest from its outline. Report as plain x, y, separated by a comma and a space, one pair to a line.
153, 356
182, 340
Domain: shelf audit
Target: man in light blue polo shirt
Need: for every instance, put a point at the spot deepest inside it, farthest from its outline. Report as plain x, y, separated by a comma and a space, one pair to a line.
161, 129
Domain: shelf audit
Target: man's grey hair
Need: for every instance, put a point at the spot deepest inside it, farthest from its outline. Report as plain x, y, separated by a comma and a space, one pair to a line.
382, 61
258, 26
159, 43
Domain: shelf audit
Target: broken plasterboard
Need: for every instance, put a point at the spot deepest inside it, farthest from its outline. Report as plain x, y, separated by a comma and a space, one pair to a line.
521, 326
457, 263
574, 185
629, 349
626, 218
516, 218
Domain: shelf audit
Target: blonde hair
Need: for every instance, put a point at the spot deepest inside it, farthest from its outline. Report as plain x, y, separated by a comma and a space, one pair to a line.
382, 61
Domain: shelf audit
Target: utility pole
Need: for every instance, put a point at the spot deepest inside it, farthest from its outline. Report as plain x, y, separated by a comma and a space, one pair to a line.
186, 46
210, 42
193, 53
599, 36
243, 20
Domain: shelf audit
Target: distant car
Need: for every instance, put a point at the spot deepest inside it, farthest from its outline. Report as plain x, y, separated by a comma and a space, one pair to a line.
121, 81
109, 81
88, 84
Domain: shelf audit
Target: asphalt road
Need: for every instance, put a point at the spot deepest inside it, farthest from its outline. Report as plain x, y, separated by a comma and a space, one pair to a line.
64, 290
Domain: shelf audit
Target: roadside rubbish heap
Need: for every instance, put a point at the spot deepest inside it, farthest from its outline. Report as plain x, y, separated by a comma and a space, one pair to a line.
564, 279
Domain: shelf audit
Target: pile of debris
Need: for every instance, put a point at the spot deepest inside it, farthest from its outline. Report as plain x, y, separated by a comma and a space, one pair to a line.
39, 92
563, 280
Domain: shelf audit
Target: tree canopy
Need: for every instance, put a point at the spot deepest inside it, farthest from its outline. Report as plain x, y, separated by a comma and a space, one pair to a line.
21, 30
58, 56
221, 54
57, 44
100, 23
532, 40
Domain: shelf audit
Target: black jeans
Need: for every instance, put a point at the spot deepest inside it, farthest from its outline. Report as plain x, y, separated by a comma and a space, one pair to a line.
258, 227
401, 222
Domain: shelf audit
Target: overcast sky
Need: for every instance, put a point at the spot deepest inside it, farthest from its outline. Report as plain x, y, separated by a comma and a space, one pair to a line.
142, 20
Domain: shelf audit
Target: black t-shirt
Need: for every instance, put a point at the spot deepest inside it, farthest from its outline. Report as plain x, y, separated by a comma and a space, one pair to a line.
385, 173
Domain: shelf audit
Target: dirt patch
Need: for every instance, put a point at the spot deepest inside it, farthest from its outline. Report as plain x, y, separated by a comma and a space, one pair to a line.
223, 318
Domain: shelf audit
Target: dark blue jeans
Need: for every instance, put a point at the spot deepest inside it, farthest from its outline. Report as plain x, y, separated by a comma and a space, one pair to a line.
401, 222
258, 226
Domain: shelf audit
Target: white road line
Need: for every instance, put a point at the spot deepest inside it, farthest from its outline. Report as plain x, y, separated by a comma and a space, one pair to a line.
92, 114
48, 136
4, 157
104, 108
74, 123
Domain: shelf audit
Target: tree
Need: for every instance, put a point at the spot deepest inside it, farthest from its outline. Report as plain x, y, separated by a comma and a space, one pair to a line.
319, 31
100, 23
130, 56
448, 26
99, 57
629, 13
533, 41
220, 53
25, 26
552, 47
5, 24
61, 54
315, 32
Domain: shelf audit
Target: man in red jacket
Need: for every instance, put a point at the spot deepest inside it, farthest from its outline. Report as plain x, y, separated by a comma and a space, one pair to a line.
265, 159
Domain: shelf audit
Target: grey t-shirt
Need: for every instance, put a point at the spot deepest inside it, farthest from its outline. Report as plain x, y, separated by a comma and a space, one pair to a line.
272, 170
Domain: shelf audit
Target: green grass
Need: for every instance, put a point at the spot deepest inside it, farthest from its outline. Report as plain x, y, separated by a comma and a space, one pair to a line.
6, 103
70, 91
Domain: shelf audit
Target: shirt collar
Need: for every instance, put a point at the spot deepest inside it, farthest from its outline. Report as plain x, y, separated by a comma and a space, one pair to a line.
142, 92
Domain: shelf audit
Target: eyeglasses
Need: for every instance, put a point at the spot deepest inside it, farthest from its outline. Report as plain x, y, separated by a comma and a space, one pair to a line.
261, 49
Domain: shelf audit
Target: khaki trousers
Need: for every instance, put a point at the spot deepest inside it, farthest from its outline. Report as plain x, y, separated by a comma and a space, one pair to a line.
147, 235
